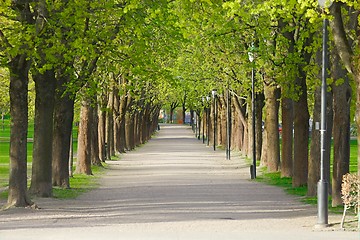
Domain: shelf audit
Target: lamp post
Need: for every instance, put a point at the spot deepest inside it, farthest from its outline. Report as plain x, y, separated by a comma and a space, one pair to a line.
203, 118
207, 120
199, 125
323, 185
213, 92
253, 167
228, 123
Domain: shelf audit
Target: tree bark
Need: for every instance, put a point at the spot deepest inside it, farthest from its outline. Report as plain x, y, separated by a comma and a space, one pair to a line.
221, 121
272, 127
287, 137
349, 58
146, 124
136, 128
95, 159
71, 156
314, 158
63, 120
83, 163
41, 180
301, 135
122, 137
259, 104
192, 119
183, 104
173, 106
116, 120
102, 105
19, 70
101, 133
341, 130
110, 150
243, 133
129, 124
129, 131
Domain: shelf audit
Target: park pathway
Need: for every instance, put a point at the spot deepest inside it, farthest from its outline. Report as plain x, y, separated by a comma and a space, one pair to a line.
173, 187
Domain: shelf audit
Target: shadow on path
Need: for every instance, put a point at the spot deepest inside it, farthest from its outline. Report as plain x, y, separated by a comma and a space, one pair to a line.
172, 178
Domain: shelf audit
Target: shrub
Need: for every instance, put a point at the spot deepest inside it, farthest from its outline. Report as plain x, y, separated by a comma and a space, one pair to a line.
350, 193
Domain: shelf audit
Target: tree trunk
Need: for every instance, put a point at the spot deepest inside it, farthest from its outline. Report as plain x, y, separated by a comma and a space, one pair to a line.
129, 131
19, 70
145, 124
63, 120
83, 163
341, 130
173, 106
243, 134
102, 135
192, 118
184, 109
259, 104
272, 128
287, 137
110, 150
122, 137
41, 180
349, 57
314, 158
116, 120
95, 159
301, 135
136, 132
71, 156
219, 121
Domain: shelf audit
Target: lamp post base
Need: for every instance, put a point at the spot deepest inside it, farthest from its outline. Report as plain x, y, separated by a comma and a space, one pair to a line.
321, 226
322, 195
252, 172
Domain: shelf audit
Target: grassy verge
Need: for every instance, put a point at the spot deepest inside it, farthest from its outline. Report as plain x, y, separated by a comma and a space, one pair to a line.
79, 183
275, 179
286, 183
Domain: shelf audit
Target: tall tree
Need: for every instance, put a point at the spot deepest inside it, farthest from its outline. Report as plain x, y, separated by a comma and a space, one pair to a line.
15, 48
41, 180
347, 48
83, 163
341, 132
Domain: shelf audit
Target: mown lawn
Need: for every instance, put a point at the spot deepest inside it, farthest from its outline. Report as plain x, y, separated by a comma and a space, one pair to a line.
286, 183
79, 183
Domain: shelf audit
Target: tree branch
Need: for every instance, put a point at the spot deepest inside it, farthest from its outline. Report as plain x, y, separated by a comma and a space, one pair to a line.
340, 38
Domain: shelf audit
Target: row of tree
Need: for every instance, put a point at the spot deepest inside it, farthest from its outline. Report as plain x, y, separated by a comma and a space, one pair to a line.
284, 39
124, 59
106, 55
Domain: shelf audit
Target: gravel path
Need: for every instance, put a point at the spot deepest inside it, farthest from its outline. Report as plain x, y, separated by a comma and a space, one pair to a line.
173, 187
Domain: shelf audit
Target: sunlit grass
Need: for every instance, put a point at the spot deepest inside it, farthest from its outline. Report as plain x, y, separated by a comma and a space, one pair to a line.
79, 183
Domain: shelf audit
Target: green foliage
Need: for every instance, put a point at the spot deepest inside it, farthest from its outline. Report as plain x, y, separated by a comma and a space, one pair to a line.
4, 91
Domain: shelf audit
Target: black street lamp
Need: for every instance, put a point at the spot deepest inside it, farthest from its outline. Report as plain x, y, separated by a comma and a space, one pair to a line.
199, 125
253, 167
203, 118
228, 124
207, 120
213, 92
323, 185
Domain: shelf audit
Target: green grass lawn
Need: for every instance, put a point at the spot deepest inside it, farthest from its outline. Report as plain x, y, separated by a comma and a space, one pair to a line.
353, 155
286, 183
78, 183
